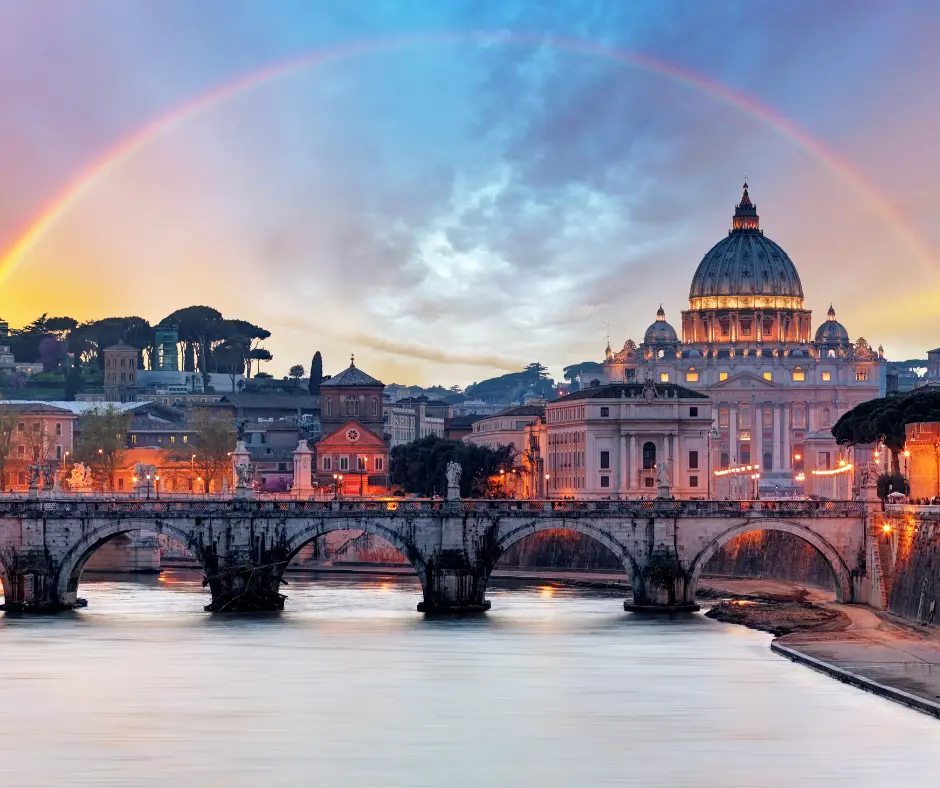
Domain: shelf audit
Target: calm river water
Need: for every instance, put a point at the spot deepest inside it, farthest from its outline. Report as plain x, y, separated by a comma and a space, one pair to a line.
352, 687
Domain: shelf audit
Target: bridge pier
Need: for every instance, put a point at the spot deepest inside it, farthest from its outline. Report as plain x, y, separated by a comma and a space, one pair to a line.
455, 591
662, 586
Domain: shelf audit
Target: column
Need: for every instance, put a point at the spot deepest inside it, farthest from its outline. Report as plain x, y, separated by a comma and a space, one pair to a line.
622, 469
777, 439
757, 435
633, 479
787, 459
759, 327
733, 434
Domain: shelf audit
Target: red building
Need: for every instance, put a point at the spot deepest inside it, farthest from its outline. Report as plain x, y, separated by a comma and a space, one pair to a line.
354, 445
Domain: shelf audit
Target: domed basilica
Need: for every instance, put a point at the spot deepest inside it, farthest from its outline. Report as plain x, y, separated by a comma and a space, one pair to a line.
747, 341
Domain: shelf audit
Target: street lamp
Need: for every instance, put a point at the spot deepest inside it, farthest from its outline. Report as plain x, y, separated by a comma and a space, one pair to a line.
548, 478
156, 485
148, 486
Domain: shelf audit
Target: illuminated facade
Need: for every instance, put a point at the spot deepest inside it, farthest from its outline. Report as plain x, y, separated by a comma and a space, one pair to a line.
747, 341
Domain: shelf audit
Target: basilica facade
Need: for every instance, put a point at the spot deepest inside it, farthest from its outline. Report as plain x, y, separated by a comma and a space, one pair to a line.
776, 387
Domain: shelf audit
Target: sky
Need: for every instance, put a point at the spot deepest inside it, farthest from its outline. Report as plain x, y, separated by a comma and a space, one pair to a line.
451, 190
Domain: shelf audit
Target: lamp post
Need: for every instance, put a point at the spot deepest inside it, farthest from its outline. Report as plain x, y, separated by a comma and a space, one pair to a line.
548, 479
156, 485
148, 486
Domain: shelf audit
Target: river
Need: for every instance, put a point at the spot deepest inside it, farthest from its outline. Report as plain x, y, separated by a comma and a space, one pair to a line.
352, 687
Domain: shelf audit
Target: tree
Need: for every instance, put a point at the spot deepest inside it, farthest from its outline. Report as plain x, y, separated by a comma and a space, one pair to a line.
316, 374
886, 418
420, 466
212, 445
296, 371
102, 441
259, 354
231, 355
891, 482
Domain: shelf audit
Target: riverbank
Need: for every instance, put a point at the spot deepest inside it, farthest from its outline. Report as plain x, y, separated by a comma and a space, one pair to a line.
869, 649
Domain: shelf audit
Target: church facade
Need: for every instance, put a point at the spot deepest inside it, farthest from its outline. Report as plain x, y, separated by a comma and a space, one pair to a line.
747, 341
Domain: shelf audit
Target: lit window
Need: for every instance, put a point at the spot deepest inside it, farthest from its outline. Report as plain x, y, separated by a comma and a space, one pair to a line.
722, 376
185, 439
691, 377
861, 374
768, 376
827, 376
799, 375
663, 377
172, 439
133, 438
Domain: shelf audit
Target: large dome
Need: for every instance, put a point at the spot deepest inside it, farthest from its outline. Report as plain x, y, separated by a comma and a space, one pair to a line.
746, 263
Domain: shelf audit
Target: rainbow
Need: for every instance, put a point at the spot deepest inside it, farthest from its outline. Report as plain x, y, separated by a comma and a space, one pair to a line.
99, 169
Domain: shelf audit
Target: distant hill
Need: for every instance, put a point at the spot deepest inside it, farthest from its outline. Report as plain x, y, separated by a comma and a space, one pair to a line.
513, 386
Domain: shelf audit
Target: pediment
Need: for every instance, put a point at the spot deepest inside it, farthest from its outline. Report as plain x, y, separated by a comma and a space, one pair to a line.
338, 439
745, 380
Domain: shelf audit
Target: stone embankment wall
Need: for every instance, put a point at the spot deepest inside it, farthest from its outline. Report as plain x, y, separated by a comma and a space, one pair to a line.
914, 579
773, 555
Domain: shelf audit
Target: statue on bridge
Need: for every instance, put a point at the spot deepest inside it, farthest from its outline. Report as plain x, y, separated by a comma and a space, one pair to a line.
662, 479
453, 472
80, 478
244, 474
48, 476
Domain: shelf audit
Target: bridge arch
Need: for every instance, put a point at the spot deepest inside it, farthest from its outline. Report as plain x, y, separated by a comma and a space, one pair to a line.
517, 534
312, 531
73, 563
5, 582
840, 572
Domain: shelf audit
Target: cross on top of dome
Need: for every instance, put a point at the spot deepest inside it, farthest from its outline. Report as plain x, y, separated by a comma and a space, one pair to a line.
831, 314
660, 314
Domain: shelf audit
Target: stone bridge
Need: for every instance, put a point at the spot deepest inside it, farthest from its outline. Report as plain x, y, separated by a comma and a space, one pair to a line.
244, 546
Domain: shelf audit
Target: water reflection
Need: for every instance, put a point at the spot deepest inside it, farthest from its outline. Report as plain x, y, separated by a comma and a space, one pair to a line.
350, 686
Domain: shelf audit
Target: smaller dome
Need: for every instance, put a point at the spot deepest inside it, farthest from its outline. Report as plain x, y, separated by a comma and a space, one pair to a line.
832, 332
660, 332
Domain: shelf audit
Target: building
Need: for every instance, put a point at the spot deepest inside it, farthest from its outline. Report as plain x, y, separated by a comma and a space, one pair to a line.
352, 455
166, 348
38, 431
459, 427
615, 441
352, 395
747, 342
506, 428
921, 461
429, 415
400, 424
7, 364
120, 372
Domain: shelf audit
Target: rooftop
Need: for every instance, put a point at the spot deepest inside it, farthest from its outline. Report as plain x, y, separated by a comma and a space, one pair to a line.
351, 376
634, 390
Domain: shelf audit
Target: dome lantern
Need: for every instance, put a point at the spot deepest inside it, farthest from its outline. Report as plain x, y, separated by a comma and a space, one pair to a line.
745, 215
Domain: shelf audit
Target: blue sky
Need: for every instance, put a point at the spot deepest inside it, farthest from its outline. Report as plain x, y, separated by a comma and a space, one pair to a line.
452, 209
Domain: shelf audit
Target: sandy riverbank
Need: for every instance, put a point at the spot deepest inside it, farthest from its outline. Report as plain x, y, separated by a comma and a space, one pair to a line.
868, 648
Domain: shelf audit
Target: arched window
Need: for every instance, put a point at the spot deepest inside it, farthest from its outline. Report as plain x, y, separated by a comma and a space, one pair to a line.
831, 353
649, 455
352, 406
725, 460
723, 417
826, 418
375, 407
329, 407
768, 462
